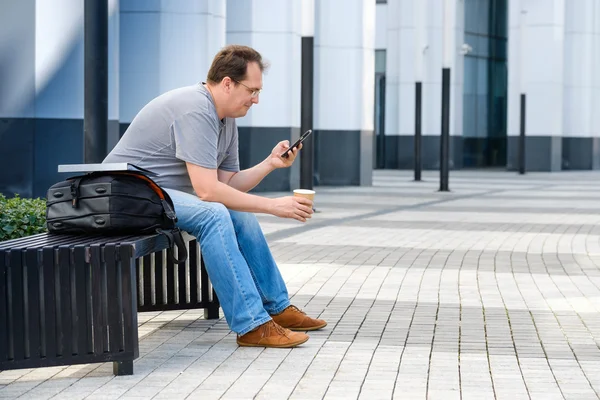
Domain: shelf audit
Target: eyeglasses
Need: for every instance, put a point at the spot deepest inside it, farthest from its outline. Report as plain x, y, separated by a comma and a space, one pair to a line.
254, 92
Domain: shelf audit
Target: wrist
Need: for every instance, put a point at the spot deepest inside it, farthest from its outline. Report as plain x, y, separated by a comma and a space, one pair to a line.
269, 205
268, 164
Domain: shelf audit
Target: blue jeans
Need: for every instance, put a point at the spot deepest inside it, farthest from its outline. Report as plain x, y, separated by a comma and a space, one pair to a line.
237, 258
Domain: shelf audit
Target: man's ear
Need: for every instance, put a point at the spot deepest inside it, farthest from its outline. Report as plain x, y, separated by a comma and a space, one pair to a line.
227, 84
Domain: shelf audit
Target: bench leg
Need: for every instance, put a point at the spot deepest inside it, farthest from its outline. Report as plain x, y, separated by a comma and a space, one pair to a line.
123, 367
212, 311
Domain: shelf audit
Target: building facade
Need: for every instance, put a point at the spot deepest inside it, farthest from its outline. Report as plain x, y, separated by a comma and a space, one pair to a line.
368, 56
548, 50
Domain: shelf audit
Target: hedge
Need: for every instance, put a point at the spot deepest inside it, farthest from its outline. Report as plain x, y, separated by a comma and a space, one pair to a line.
21, 217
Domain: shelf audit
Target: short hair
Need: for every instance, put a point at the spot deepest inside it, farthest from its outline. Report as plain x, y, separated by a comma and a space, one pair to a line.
232, 61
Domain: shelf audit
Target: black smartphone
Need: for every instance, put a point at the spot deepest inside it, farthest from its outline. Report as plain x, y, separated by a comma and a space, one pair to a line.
302, 138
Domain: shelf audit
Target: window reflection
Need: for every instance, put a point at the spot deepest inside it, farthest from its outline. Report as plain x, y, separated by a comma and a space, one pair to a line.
485, 83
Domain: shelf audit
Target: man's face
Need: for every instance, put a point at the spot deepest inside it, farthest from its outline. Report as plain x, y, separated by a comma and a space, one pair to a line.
241, 93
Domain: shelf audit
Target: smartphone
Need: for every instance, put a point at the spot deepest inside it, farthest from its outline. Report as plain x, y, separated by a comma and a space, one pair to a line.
302, 138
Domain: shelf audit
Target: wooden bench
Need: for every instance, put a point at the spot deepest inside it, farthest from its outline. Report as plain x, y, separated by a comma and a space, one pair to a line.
67, 299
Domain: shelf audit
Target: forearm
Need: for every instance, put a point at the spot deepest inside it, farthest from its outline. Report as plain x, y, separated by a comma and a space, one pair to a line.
236, 200
247, 179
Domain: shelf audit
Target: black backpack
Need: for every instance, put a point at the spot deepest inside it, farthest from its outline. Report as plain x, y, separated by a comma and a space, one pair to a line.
112, 203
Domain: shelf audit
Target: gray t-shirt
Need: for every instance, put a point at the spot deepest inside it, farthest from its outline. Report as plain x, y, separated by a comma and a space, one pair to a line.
179, 126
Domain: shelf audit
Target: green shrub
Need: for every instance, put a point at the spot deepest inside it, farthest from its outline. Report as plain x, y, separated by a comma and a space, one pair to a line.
21, 217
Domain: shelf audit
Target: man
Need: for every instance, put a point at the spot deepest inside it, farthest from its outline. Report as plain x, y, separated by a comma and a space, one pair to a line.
189, 138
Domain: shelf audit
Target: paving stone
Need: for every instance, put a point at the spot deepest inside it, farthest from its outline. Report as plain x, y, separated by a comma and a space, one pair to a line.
488, 290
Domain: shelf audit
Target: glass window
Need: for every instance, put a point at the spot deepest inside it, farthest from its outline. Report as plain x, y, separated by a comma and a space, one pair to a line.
470, 81
470, 15
485, 83
473, 41
483, 17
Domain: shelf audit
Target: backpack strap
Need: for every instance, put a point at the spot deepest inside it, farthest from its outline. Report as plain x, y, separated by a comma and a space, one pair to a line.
174, 237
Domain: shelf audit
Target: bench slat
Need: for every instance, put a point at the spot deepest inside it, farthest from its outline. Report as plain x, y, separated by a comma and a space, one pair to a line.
82, 326
4, 327
170, 281
181, 277
97, 300
32, 305
147, 280
194, 264
114, 298
129, 291
159, 283
16, 307
48, 310
65, 342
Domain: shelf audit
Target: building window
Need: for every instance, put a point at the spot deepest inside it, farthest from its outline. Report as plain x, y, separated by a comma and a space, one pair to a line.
485, 84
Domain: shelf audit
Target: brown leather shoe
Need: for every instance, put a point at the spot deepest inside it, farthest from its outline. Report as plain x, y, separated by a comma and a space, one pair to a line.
295, 319
270, 334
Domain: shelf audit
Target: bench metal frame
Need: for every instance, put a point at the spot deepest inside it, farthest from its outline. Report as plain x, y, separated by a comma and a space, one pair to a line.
68, 299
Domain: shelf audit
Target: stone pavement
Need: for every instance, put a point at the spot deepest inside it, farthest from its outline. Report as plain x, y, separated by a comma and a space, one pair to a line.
489, 291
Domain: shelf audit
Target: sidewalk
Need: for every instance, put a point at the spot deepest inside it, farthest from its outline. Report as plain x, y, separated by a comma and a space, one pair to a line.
489, 291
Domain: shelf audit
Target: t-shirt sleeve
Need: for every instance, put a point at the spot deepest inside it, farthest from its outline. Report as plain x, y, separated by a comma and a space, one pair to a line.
196, 138
231, 162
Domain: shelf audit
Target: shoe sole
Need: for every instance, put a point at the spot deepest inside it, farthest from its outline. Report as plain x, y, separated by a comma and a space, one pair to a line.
277, 346
314, 328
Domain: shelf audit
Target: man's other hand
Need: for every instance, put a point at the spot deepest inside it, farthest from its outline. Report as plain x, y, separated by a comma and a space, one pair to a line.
294, 207
280, 162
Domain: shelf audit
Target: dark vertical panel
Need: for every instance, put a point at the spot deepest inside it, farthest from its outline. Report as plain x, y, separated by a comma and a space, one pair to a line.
97, 304
115, 325
158, 278
194, 266
181, 278
16, 152
170, 278
49, 314
80, 271
66, 316
17, 308
204, 281
3, 307
306, 113
129, 299
139, 277
417, 157
255, 142
96, 79
522, 117
33, 303
445, 138
147, 288
57, 141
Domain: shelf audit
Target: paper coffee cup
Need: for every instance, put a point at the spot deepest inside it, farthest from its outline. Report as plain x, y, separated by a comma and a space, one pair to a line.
306, 193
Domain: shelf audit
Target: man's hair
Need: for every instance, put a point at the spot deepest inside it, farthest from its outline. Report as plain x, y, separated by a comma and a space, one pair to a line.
232, 61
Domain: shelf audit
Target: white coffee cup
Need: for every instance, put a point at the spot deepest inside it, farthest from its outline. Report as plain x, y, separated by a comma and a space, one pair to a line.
306, 193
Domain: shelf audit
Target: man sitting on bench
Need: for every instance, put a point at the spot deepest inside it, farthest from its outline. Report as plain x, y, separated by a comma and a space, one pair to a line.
189, 138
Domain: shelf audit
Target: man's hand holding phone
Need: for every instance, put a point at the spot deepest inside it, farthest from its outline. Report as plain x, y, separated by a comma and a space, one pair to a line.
280, 162
298, 144
283, 155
